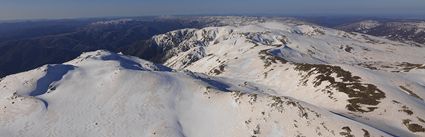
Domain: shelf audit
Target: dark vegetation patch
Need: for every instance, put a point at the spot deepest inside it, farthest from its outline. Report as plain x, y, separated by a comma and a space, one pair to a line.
248, 121
237, 95
346, 48
372, 41
327, 129
410, 92
359, 93
284, 40
368, 65
267, 72
280, 105
406, 110
346, 132
413, 126
366, 133
256, 131
421, 120
207, 90
269, 58
219, 70
191, 58
319, 31
253, 99
399, 67
406, 66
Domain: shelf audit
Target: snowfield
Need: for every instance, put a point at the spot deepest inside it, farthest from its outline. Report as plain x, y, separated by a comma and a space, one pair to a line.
259, 79
107, 94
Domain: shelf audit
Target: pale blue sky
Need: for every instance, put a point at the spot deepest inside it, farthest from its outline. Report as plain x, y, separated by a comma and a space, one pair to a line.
26, 9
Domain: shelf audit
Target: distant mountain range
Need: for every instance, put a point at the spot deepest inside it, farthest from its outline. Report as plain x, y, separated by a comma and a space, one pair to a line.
27, 45
412, 32
30, 44
24, 49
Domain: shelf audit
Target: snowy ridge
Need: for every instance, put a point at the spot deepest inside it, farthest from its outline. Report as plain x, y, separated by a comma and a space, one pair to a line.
101, 94
369, 79
350, 48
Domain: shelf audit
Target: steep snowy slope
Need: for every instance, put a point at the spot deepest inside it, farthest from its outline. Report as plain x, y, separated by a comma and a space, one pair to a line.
107, 94
372, 80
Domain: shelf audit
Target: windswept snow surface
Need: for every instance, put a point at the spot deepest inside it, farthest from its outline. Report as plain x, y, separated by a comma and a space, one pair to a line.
107, 94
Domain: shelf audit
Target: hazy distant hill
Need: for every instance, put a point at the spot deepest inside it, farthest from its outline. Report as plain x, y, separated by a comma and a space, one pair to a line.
27, 45
28, 29
408, 31
33, 45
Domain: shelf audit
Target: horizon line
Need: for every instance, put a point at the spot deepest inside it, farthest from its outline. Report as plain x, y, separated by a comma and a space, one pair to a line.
400, 16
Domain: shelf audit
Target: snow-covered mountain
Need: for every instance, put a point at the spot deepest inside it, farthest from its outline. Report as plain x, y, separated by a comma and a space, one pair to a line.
368, 79
411, 32
106, 94
244, 77
364, 26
